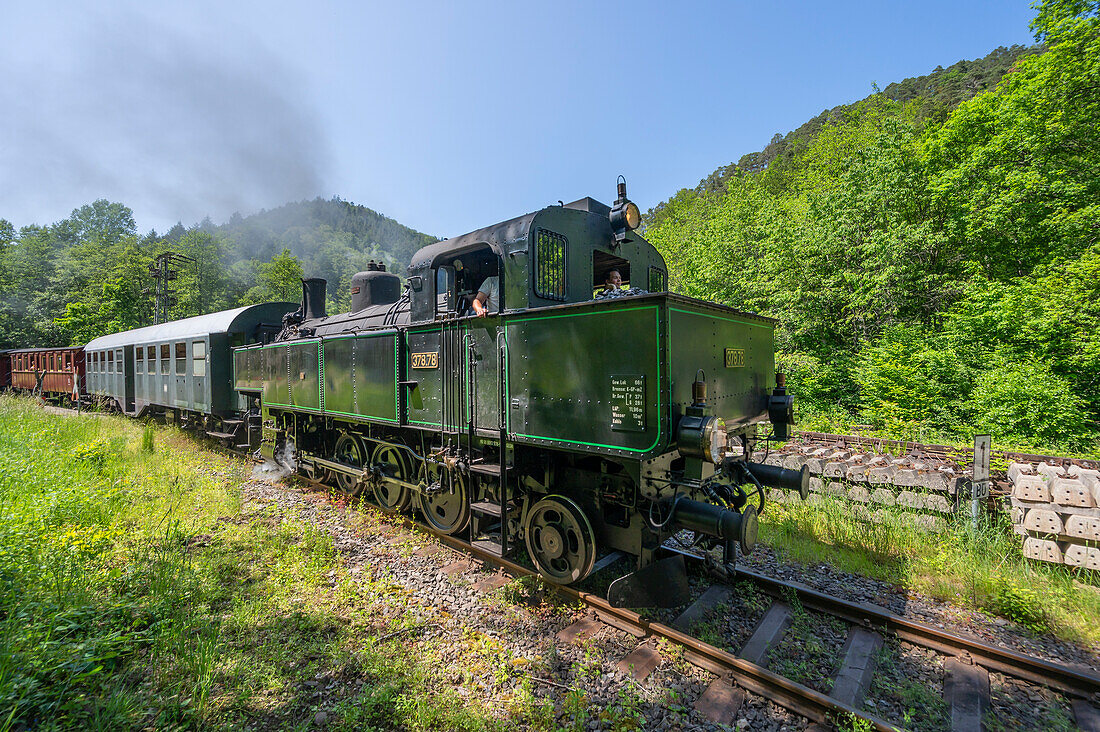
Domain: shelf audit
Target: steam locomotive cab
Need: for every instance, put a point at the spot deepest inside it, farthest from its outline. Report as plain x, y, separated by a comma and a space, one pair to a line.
568, 420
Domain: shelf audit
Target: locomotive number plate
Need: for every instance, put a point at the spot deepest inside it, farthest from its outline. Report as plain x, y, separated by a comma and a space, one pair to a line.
426, 360
735, 358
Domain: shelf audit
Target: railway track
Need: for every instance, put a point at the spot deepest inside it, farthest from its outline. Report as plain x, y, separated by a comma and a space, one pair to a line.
969, 661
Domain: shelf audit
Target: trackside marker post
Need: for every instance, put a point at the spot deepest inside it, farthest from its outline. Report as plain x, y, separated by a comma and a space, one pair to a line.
979, 487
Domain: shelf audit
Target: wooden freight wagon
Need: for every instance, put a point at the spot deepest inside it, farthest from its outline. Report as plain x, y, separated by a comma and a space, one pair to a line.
61, 371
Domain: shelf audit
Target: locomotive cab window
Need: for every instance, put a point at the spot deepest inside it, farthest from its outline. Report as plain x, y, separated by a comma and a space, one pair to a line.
658, 280
603, 265
460, 278
550, 265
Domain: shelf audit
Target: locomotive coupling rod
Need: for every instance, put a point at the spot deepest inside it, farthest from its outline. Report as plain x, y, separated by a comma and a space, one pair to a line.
772, 476
706, 518
359, 472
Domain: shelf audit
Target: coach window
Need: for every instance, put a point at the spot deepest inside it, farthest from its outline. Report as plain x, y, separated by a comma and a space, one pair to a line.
151, 359
198, 358
119, 363
165, 358
139, 360
181, 358
110, 362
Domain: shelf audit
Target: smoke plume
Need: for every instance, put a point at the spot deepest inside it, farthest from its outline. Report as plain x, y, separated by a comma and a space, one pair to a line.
175, 126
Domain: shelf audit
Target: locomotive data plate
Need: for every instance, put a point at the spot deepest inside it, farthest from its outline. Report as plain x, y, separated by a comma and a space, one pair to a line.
628, 403
735, 358
426, 360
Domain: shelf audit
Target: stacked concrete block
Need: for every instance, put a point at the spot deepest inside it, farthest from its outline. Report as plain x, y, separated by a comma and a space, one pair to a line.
922, 486
1057, 510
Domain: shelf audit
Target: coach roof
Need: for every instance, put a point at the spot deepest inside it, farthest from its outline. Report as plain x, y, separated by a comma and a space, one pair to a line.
225, 321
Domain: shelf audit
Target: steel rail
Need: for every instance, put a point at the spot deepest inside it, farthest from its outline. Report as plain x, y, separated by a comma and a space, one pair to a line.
1064, 678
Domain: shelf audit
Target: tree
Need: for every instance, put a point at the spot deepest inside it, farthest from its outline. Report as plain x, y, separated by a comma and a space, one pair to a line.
278, 280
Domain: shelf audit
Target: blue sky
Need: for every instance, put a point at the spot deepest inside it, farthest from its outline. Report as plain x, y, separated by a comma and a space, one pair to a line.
444, 116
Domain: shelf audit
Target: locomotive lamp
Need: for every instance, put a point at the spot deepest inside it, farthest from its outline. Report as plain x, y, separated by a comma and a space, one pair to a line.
699, 434
625, 216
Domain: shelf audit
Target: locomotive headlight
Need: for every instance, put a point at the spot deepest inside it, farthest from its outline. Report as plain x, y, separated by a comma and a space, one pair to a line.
625, 215
702, 437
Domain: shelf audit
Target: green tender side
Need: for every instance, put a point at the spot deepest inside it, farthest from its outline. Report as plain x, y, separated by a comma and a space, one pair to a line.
590, 378
699, 337
360, 376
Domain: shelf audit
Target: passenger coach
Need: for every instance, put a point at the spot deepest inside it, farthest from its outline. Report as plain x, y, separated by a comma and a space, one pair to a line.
180, 369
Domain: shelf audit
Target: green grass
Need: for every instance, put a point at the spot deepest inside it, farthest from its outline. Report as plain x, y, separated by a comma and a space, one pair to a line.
983, 569
139, 590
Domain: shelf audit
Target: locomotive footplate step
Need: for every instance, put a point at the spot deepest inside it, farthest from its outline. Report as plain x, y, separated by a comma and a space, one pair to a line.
860, 657
966, 689
640, 662
658, 585
486, 507
220, 435
485, 468
490, 546
767, 634
698, 610
586, 627
720, 702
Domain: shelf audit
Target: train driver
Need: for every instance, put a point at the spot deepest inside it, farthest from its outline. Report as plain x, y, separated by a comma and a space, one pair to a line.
488, 297
613, 281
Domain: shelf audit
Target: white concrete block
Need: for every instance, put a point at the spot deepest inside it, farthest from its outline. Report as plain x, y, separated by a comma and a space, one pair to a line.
1043, 521
859, 493
1043, 549
1016, 469
1083, 527
1071, 492
883, 496
1031, 488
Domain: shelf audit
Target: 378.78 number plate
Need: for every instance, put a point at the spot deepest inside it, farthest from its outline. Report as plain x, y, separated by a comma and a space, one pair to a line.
735, 358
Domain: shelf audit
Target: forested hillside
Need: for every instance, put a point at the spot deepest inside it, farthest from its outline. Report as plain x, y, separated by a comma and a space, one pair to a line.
88, 275
934, 265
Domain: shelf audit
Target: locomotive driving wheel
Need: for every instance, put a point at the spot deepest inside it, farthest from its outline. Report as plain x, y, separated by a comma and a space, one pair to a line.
391, 460
560, 540
444, 501
350, 452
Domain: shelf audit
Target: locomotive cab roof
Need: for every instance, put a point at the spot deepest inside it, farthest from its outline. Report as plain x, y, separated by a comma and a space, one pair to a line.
559, 254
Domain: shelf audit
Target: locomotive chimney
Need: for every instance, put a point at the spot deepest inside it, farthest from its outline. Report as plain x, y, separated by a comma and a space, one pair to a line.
313, 298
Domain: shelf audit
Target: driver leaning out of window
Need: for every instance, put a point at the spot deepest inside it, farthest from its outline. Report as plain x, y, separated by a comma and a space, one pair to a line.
488, 297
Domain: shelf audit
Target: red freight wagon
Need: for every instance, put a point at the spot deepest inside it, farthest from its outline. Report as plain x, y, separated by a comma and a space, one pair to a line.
61, 371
